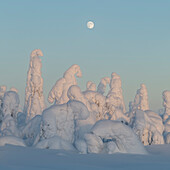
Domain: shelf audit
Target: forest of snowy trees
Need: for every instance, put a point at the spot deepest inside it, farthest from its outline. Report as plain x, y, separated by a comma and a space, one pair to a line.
86, 121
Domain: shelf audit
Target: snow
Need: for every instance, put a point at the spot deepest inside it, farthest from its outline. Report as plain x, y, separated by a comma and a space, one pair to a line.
114, 100
11, 140
19, 158
83, 129
149, 127
102, 85
61, 120
108, 136
34, 98
30, 132
58, 93
141, 99
90, 86
55, 143
10, 104
166, 104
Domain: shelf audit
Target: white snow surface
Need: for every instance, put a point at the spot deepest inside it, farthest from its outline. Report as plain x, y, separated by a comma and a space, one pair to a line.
19, 158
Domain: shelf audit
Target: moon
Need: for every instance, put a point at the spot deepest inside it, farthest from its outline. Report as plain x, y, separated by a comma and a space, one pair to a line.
90, 24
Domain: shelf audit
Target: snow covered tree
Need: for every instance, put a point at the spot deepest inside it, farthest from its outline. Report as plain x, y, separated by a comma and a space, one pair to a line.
140, 102
148, 127
141, 98
114, 100
10, 110
102, 85
58, 93
90, 86
34, 98
166, 104
2, 92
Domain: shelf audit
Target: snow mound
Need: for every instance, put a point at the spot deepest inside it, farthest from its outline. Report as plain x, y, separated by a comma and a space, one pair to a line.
109, 136
55, 143
11, 140
61, 120
149, 127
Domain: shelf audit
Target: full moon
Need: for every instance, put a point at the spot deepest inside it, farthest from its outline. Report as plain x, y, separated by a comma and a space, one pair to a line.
90, 25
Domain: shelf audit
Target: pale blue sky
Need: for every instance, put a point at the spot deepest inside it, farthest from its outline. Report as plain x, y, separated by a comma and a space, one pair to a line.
131, 38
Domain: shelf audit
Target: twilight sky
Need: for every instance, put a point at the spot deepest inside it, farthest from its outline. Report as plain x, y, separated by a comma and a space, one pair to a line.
131, 38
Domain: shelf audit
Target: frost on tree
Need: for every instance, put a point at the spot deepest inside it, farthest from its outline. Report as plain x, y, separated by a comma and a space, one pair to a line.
108, 136
34, 98
58, 93
10, 110
114, 100
102, 85
149, 127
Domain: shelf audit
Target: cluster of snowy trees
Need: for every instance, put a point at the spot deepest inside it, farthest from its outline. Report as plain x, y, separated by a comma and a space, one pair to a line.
90, 121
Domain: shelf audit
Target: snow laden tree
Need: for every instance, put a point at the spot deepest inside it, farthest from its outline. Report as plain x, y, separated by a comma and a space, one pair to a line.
90, 86
141, 99
114, 100
58, 93
166, 104
166, 115
102, 85
10, 110
2, 92
34, 98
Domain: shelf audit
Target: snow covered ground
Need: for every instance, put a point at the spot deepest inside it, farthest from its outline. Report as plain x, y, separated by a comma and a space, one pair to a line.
24, 158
